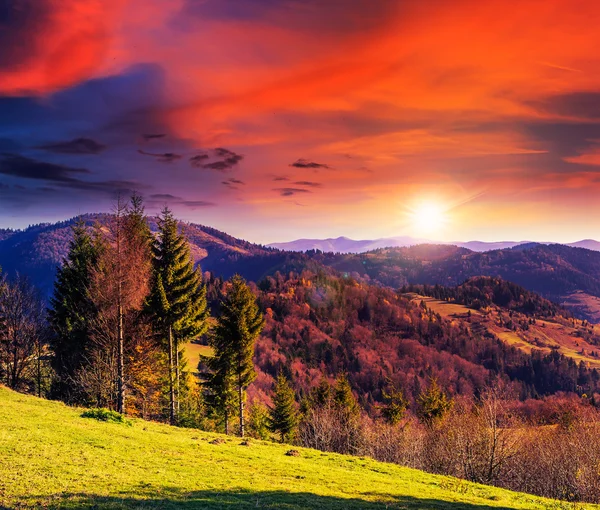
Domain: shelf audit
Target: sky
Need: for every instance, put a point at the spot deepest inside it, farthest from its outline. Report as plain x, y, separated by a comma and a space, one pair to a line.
281, 119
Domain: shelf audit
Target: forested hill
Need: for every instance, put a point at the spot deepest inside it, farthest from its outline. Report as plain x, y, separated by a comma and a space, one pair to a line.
38, 250
318, 325
482, 292
553, 271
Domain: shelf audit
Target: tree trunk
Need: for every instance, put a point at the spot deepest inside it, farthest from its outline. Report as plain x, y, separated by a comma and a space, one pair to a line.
39, 367
226, 423
120, 359
176, 342
241, 397
171, 385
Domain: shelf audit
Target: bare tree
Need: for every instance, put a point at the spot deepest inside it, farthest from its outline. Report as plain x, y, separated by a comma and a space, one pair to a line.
120, 283
22, 333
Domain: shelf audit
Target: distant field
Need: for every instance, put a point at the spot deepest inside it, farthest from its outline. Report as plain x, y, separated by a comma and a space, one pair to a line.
544, 335
193, 352
444, 308
51, 457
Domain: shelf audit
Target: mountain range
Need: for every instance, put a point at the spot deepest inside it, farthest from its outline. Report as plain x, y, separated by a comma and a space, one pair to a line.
562, 273
347, 245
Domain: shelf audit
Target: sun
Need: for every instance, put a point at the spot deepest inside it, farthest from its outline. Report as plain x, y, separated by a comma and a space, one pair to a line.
428, 218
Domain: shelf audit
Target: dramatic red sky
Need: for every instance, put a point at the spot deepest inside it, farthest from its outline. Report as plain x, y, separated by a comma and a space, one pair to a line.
278, 119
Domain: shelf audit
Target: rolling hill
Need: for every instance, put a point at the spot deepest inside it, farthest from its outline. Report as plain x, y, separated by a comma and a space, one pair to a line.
562, 273
52, 457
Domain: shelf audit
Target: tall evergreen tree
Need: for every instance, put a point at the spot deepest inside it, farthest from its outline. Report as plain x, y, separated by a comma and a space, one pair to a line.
433, 404
71, 309
343, 397
218, 381
177, 301
240, 323
395, 406
283, 416
233, 339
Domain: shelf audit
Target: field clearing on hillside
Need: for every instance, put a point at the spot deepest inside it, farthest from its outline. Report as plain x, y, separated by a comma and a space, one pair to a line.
53, 458
544, 335
193, 351
444, 308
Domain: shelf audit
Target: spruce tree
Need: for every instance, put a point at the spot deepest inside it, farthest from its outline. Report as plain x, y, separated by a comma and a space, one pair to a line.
395, 406
433, 404
235, 334
283, 416
177, 302
71, 310
218, 382
343, 397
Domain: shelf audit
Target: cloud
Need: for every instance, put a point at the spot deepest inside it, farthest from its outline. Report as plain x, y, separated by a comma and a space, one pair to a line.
164, 196
176, 200
288, 192
280, 178
583, 104
198, 160
233, 183
166, 157
75, 146
68, 177
305, 163
148, 137
195, 204
48, 44
20, 166
230, 160
310, 184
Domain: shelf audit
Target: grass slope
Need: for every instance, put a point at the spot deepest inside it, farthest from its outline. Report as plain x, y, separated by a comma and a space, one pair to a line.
51, 457
545, 335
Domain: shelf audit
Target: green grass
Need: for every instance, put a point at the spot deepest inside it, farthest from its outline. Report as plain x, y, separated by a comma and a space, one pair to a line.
193, 351
51, 457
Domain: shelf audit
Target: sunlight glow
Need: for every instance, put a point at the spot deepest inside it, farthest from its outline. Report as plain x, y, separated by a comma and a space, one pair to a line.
428, 218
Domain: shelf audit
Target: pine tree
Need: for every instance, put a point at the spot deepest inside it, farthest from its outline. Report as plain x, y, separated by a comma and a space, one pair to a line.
395, 406
235, 334
433, 404
283, 416
343, 397
71, 310
177, 302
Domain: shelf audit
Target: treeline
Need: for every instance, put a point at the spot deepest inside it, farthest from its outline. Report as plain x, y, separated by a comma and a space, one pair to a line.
486, 439
483, 292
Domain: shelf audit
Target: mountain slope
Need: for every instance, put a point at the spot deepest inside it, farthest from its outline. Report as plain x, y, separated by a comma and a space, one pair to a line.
54, 458
38, 250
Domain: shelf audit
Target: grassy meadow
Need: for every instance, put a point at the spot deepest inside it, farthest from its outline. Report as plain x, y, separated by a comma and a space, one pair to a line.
51, 457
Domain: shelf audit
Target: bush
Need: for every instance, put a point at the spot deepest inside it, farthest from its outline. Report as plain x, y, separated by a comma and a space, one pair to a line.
102, 414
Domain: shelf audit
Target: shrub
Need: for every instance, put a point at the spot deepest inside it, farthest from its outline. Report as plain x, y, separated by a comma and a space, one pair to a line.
102, 414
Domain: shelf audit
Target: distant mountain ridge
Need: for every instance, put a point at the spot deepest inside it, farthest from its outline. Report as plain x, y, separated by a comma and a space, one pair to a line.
347, 245
557, 272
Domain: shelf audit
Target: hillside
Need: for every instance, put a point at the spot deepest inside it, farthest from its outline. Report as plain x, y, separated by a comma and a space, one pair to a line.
54, 458
39, 249
320, 325
554, 271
